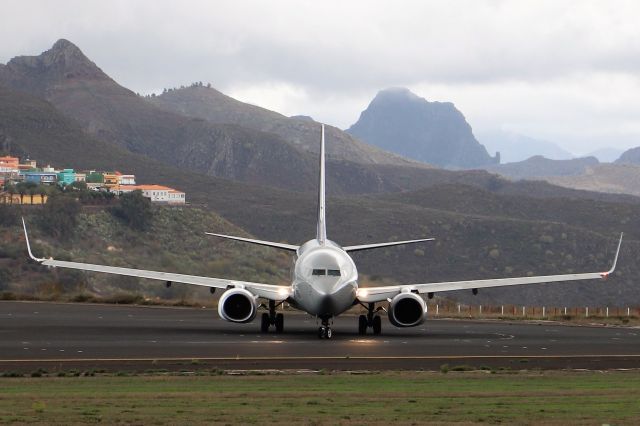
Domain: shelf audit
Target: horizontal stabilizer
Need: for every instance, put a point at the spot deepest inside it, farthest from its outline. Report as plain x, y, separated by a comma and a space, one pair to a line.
283, 246
388, 244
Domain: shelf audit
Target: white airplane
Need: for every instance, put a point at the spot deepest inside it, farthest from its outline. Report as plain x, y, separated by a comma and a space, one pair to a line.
325, 282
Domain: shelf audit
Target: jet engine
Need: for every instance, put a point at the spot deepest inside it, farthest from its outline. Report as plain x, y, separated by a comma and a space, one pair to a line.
407, 310
238, 305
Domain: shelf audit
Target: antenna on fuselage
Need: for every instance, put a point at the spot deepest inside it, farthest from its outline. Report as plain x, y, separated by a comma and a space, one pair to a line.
321, 235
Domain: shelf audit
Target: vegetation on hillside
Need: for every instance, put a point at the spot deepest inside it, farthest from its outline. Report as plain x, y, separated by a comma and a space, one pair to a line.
174, 241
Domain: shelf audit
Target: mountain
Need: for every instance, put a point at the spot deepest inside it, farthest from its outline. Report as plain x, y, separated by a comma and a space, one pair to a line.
514, 147
470, 218
209, 104
66, 78
605, 155
539, 167
610, 178
630, 156
433, 132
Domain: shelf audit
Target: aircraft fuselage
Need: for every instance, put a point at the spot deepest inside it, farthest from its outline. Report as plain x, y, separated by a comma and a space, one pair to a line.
325, 279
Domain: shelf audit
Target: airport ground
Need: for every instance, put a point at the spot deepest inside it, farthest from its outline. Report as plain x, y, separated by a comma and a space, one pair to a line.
83, 363
528, 398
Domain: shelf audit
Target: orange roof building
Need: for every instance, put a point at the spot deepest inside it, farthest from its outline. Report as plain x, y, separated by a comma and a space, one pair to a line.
157, 193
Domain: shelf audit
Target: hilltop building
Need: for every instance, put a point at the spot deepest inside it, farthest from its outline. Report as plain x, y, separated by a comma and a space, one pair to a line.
157, 193
11, 170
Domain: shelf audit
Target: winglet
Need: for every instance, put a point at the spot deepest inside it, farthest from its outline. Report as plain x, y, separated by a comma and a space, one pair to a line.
26, 237
605, 275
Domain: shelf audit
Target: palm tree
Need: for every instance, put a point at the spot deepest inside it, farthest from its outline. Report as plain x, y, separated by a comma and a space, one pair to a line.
11, 189
31, 189
43, 191
22, 190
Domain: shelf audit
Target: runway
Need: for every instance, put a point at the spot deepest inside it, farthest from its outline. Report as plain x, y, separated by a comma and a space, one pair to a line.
115, 337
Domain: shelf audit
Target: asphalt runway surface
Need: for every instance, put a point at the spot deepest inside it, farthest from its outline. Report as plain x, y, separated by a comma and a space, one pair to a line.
114, 337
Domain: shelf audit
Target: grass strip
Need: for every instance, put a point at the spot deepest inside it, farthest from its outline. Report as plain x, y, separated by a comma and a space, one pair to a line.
335, 398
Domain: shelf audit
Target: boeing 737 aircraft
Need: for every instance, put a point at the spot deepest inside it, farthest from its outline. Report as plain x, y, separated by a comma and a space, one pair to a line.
325, 282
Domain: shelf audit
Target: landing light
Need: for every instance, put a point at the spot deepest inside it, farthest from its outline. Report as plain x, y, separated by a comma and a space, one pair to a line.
363, 292
283, 292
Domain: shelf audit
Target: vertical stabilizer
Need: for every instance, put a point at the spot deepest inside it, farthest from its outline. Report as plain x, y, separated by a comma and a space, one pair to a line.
322, 229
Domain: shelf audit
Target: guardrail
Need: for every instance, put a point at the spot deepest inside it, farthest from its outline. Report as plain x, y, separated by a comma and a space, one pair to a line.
492, 311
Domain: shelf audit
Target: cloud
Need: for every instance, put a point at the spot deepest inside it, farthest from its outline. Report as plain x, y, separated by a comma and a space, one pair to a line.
504, 63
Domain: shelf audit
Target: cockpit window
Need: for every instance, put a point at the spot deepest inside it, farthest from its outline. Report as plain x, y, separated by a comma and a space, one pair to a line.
334, 272
319, 272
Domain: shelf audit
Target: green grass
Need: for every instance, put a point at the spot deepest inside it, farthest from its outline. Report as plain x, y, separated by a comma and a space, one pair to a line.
339, 398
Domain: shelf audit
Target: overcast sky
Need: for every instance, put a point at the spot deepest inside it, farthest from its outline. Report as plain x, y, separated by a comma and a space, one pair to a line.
565, 71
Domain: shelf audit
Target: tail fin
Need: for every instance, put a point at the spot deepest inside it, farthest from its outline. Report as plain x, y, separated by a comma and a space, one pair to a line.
321, 235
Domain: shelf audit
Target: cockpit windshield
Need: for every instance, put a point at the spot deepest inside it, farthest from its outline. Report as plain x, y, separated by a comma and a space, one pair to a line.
323, 272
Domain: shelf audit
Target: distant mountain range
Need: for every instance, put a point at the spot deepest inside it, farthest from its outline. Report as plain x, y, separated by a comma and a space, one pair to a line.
514, 147
432, 132
539, 167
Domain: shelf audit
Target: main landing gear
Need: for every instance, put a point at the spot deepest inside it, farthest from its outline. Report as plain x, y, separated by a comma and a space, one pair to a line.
324, 331
370, 320
271, 318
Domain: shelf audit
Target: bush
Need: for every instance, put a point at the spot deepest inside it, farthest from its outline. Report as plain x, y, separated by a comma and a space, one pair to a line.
135, 210
59, 216
9, 215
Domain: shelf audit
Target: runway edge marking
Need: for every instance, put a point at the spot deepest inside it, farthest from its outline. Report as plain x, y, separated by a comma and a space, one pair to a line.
297, 358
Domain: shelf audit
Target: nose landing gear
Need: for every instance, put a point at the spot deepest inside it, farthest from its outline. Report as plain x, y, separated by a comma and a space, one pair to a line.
324, 331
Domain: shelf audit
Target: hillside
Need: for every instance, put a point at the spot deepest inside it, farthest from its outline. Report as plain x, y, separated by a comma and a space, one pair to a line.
100, 238
109, 112
432, 132
539, 167
618, 178
529, 223
630, 156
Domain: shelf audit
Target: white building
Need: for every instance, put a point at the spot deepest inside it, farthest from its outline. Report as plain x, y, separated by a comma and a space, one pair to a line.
157, 193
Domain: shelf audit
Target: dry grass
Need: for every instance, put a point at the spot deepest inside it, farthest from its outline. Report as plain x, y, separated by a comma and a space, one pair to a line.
339, 398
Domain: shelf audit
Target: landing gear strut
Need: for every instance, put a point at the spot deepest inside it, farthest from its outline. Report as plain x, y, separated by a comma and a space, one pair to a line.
324, 331
271, 318
370, 320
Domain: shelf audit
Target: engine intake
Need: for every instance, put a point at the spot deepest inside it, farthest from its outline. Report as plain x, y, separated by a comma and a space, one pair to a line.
238, 305
407, 310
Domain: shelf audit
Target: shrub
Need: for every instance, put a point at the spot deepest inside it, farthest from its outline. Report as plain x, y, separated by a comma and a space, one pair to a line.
59, 216
134, 210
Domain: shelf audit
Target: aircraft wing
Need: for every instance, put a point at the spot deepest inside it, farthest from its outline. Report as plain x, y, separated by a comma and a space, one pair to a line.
379, 294
268, 291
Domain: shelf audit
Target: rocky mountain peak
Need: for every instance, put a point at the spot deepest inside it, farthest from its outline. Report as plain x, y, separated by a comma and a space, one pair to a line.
399, 121
63, 61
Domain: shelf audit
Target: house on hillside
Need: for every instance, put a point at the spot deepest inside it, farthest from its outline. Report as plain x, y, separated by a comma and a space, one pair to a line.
9, 164
66, 177
111, 181
157, 193
126, 179
48, 178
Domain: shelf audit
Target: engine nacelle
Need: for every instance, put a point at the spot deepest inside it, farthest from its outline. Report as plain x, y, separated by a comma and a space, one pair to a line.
238, 305
407, 310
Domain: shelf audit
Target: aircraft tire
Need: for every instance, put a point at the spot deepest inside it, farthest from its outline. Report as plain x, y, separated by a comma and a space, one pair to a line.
362, 325
377, 325
264, 323
279, 323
